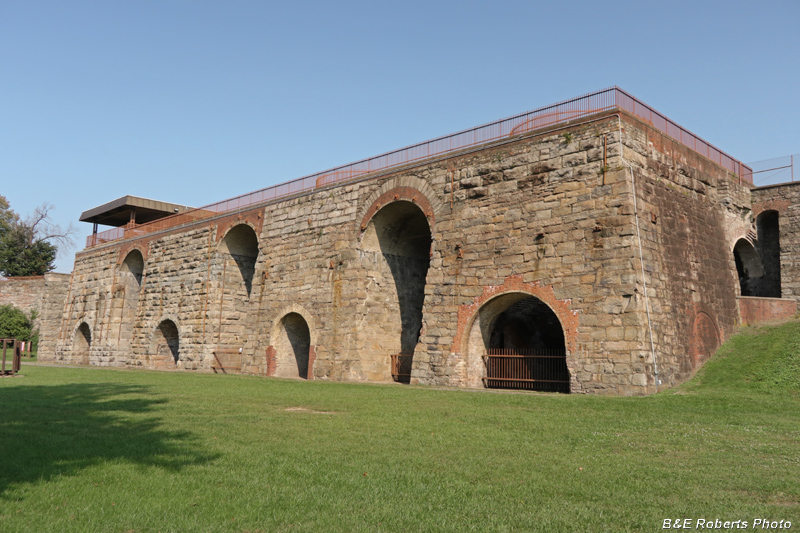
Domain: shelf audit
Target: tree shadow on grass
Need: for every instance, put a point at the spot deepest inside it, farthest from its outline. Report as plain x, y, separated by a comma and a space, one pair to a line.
49, 431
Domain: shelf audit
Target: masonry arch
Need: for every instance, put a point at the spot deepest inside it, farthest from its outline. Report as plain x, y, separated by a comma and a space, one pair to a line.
165, 345
409, 188
397, 240
515, 340
82, 343
292, 343
769, 247
132, 269
240, 244
706, 338
748, 267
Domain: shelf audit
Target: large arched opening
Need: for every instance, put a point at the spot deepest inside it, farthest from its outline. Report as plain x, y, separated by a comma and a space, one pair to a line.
82, 344
399, 237
292, 347
241, 245
516, 341
130, 277
748, 267
769, 244
165, 345
132, 269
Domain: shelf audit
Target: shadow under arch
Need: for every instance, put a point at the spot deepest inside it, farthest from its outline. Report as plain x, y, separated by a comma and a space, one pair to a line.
82, 343
769, 247
132, 269
125, 302
60, 430
516, 340
165, 345
748, 267
401, 234
291, 340
241, 244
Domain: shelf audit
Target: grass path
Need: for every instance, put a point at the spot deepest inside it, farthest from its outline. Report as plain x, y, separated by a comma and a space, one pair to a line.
100, 450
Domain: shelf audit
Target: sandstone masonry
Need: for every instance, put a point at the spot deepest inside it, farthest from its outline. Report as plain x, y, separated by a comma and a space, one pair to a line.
616, 240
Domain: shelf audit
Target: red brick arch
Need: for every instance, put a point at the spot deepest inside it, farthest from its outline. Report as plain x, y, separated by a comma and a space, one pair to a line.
143, 247
407, 194
779, 205
568, 317
706, 337
254, 219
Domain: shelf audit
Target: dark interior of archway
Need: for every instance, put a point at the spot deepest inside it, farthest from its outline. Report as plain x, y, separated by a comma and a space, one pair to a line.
168, 339
242, 245
405, 241
300, 338
83, 341
770, 250
85, 338
748, 268
134, 265
529, 342
528, 324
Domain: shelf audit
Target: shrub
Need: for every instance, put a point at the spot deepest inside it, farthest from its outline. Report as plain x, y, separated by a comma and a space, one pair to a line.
15, 324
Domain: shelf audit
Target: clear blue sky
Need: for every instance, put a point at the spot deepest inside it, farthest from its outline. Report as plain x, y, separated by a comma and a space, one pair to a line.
195, 101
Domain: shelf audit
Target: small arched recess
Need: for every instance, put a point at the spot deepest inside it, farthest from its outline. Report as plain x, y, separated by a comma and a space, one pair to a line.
291, 339
165, 345
82, 344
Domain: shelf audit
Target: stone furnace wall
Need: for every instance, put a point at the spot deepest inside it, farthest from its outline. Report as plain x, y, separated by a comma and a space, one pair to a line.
533, 242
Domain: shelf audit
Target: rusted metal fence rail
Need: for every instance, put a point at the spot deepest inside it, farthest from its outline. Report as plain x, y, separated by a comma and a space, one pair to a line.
12, 353
227, 361
776, 171
540, 370
562, 112
401, 367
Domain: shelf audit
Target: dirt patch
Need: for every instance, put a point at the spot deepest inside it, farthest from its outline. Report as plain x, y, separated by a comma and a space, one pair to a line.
310, 411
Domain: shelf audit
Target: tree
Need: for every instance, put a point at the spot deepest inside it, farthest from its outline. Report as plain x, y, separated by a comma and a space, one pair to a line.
7, 216
28, 247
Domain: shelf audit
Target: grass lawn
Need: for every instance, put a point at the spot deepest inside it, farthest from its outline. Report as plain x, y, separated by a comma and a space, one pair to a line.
87, 449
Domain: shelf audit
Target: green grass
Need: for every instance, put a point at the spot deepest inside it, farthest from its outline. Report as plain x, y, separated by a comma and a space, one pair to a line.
104, 450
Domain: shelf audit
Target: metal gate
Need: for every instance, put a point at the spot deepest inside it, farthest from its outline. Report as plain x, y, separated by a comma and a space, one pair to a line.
12, 350
539, 370
401, 368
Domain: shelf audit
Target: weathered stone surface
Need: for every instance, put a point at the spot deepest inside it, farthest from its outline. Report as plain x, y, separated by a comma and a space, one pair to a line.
409, 261
43, 294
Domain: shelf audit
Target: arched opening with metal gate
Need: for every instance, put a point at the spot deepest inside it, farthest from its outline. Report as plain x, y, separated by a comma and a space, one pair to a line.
165, 345
399, 235
521, 344
292, 347
82, 344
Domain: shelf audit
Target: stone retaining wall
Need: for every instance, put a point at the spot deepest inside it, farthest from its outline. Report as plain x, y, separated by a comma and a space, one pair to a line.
43, 294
